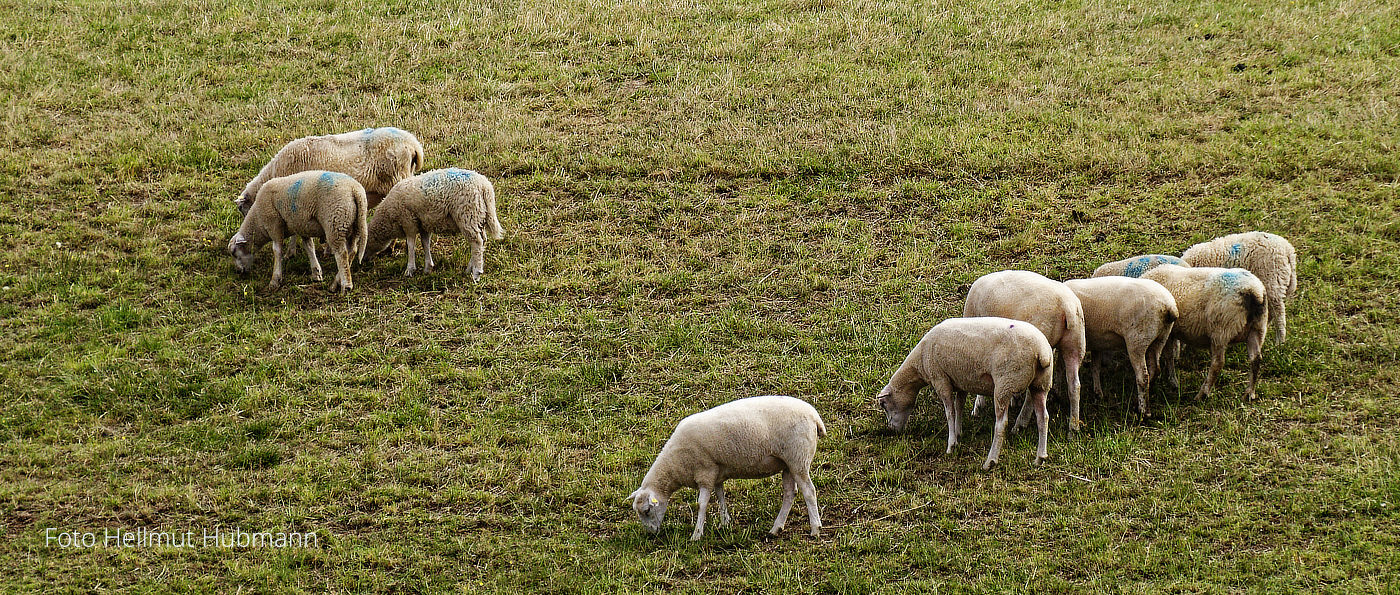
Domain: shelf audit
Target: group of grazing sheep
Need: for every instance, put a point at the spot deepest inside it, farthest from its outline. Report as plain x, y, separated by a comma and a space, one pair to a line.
324, 187
1219, 292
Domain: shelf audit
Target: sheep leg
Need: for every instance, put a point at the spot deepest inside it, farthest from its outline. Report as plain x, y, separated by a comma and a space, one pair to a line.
958, 401
276, 265
978, 402
1138, 358
1072, 360
1278, 318
311, 259
1255, 343
945, 393
1002, 400
428, 263
478, 255
342, 272
789, 491
809, 498
1097, 361
700, 517
1169, 355
1042, 424
1023, 418
723, 506
411, 240
1217, 361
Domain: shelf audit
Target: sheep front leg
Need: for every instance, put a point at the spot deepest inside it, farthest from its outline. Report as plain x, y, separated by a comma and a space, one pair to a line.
723, 506
1002, 400
700, 517
276, 265
411, 240
959, 397
809, 498
1217, 361
311, 259
945, 394
789, 492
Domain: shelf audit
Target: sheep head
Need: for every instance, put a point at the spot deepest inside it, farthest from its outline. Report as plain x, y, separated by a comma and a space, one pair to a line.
896, 405
650, 507
242, 253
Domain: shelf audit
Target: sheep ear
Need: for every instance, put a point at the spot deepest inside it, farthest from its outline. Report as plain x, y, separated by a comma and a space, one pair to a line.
631, 497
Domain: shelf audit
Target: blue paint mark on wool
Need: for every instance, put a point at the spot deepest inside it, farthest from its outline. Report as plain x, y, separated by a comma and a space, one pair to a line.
1236, 250
1137, 267
293, 192
1230, 280
327, 180
1164, 259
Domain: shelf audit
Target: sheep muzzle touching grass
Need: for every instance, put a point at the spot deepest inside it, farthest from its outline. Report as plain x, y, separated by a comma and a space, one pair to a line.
650, 508
896, 412
242, 254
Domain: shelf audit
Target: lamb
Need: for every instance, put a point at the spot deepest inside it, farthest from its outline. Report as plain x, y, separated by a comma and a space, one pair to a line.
987, 355
1217, 307
1136, 266
377, 158
309, 204
744, 439
445, 201
1269, 257
1124, 314
1045, 303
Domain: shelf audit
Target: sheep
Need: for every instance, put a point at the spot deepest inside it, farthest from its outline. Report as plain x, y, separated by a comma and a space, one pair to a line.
988, 355
1050, 306
1269, 257
309, 204
1124, 314
445, 201
1217, 307
1135, 266
377, 158
744, 439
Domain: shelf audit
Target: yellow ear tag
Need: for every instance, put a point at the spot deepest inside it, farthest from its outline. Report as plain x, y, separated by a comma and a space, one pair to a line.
654, 500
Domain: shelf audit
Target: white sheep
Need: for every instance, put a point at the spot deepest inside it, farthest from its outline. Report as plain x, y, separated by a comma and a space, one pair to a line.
376, 157
1216, 307
1135, 266
309, 204
984, 355
1269, 257
1050, 306
744, 439
1135, 316
442, 201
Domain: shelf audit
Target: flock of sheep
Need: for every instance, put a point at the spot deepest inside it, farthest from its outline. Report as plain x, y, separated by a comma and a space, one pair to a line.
1224, 291
324, 186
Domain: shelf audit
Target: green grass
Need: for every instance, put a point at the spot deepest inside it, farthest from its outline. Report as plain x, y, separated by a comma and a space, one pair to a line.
703, 201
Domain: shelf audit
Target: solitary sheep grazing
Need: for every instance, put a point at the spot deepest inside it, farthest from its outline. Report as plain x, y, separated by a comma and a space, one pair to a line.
985, 355
445, 201
376, 157
744, 439
1136, 266
1271, 258
1045, 303
310, 204
1217, 307
1135, 316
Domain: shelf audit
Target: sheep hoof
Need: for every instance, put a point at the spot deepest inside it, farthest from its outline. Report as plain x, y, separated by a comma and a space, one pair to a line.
408, 273
816, 533
476, 275
273, 287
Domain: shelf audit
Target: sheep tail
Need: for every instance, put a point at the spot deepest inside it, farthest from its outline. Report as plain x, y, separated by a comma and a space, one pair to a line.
361, 225
1253, 305
1292, 274
821, 427
493, 225
1168, 317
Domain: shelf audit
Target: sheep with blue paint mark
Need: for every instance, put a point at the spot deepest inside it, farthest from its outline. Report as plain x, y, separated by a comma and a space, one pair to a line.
1269, 257
310, 204
442, 201
1217, 307
1136, 266
378, 158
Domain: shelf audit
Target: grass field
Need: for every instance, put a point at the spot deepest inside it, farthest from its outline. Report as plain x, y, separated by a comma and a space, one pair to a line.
703, 201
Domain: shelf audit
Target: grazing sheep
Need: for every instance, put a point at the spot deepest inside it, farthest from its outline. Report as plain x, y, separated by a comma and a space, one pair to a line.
376, 157
309, 204
1217, 307
985, 355
445, 201
1044, 302
1269, 257
1135, 266
744, 439
1135, 316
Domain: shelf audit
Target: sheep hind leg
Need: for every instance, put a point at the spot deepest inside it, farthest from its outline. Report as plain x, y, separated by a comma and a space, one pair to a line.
809, 498
1278, 319
700, 516
276, 265
1002, 400
1072, 360
342, 269
478, 262
789, 492
978, 402
1138, 358
1255, 345
1217, 361
1023, 418
1042, 423
311, 260
411, 240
